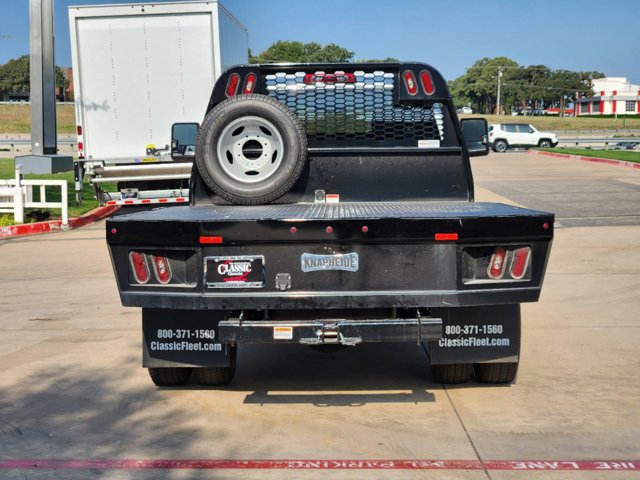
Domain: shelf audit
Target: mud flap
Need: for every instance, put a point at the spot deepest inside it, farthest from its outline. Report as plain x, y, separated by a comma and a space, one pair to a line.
181, 338
477, 334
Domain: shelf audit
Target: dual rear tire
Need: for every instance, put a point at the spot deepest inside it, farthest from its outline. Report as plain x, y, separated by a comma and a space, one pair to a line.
495, 373
210, 376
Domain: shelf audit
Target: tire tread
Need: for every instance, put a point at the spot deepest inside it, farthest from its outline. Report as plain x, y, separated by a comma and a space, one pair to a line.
503, 372
452, 373
169, 377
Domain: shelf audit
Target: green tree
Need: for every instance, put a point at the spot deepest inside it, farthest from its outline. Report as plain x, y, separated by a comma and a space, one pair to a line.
298, 52
521, 87
14, 76
479, 85
374, 60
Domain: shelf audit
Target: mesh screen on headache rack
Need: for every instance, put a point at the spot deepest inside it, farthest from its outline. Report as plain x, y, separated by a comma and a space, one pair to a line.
356, 108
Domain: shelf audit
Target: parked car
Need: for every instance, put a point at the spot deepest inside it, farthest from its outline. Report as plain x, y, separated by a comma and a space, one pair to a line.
507, 135
625, 146
465, 110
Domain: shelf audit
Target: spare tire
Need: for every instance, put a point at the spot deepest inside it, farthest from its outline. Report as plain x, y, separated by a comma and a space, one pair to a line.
251, 149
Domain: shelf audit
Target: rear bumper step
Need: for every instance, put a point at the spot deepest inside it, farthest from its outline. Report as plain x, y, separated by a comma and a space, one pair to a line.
330, 331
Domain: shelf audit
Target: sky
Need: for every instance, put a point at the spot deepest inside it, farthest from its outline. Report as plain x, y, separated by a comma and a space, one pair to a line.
451, 35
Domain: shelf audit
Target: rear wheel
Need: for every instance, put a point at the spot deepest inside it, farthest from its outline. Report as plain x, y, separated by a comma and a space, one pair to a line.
544, 144
453, 373
500, 146
217, 375
169, 377
504, 372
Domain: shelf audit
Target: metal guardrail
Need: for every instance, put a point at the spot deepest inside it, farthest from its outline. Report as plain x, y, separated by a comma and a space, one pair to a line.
605, 140
27, 141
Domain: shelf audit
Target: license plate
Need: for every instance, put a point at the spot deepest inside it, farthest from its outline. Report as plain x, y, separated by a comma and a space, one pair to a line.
246, 271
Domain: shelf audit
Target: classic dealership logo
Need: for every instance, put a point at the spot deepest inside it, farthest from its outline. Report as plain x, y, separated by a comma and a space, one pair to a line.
234, 271
347, 262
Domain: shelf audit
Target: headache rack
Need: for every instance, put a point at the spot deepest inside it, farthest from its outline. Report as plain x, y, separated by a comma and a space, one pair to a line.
354, 106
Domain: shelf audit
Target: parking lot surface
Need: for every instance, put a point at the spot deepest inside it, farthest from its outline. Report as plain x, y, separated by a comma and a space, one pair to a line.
72, 389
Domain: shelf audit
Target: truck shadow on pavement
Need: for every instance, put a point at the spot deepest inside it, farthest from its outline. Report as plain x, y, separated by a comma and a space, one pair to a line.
353, 376
72, 412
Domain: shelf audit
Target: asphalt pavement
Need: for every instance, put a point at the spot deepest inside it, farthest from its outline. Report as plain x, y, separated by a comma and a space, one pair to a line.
72, 388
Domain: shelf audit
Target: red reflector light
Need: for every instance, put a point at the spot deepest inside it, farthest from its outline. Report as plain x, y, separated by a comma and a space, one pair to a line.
181, 199
161, 268
410, 82
79, 129
520, 262
427, 83
210, 240
80, 146
232, 84
139, 265
440, 237
497, 264
249, 83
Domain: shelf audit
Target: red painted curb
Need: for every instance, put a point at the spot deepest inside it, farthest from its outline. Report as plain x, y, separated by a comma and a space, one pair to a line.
607, 161
56, 225
210, 464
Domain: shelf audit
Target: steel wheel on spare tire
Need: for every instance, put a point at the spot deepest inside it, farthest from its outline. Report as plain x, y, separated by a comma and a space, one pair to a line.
251, 149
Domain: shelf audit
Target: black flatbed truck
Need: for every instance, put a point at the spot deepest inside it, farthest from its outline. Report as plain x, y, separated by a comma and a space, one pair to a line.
371, 234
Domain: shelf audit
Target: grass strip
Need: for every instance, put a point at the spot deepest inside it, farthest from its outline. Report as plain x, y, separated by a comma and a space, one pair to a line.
625, 155
53, 194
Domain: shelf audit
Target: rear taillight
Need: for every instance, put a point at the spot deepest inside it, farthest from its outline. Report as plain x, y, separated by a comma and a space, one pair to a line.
140, 268
427, 83
161, 268
249, 83
410, 82
497, 263
520, 262
80, 142
232, 85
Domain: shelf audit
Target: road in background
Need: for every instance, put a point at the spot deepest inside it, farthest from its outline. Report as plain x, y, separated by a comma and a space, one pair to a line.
71, 385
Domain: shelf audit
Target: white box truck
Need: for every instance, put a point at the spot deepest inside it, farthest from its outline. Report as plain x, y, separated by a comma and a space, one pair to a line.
137, 70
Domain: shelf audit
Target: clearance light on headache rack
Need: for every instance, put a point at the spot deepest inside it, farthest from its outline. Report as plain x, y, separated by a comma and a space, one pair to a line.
322, 77
410, 82
427, 83
232, 84
249, 83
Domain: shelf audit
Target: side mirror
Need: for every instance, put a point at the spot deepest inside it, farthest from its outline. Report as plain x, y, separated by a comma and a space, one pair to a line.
475, 133
183, 141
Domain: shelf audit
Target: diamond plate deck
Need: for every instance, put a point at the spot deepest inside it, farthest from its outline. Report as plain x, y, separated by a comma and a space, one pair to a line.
339, 211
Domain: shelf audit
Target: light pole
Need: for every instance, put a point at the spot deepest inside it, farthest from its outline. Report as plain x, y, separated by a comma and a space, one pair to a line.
43, 79
499, 85
44, 143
